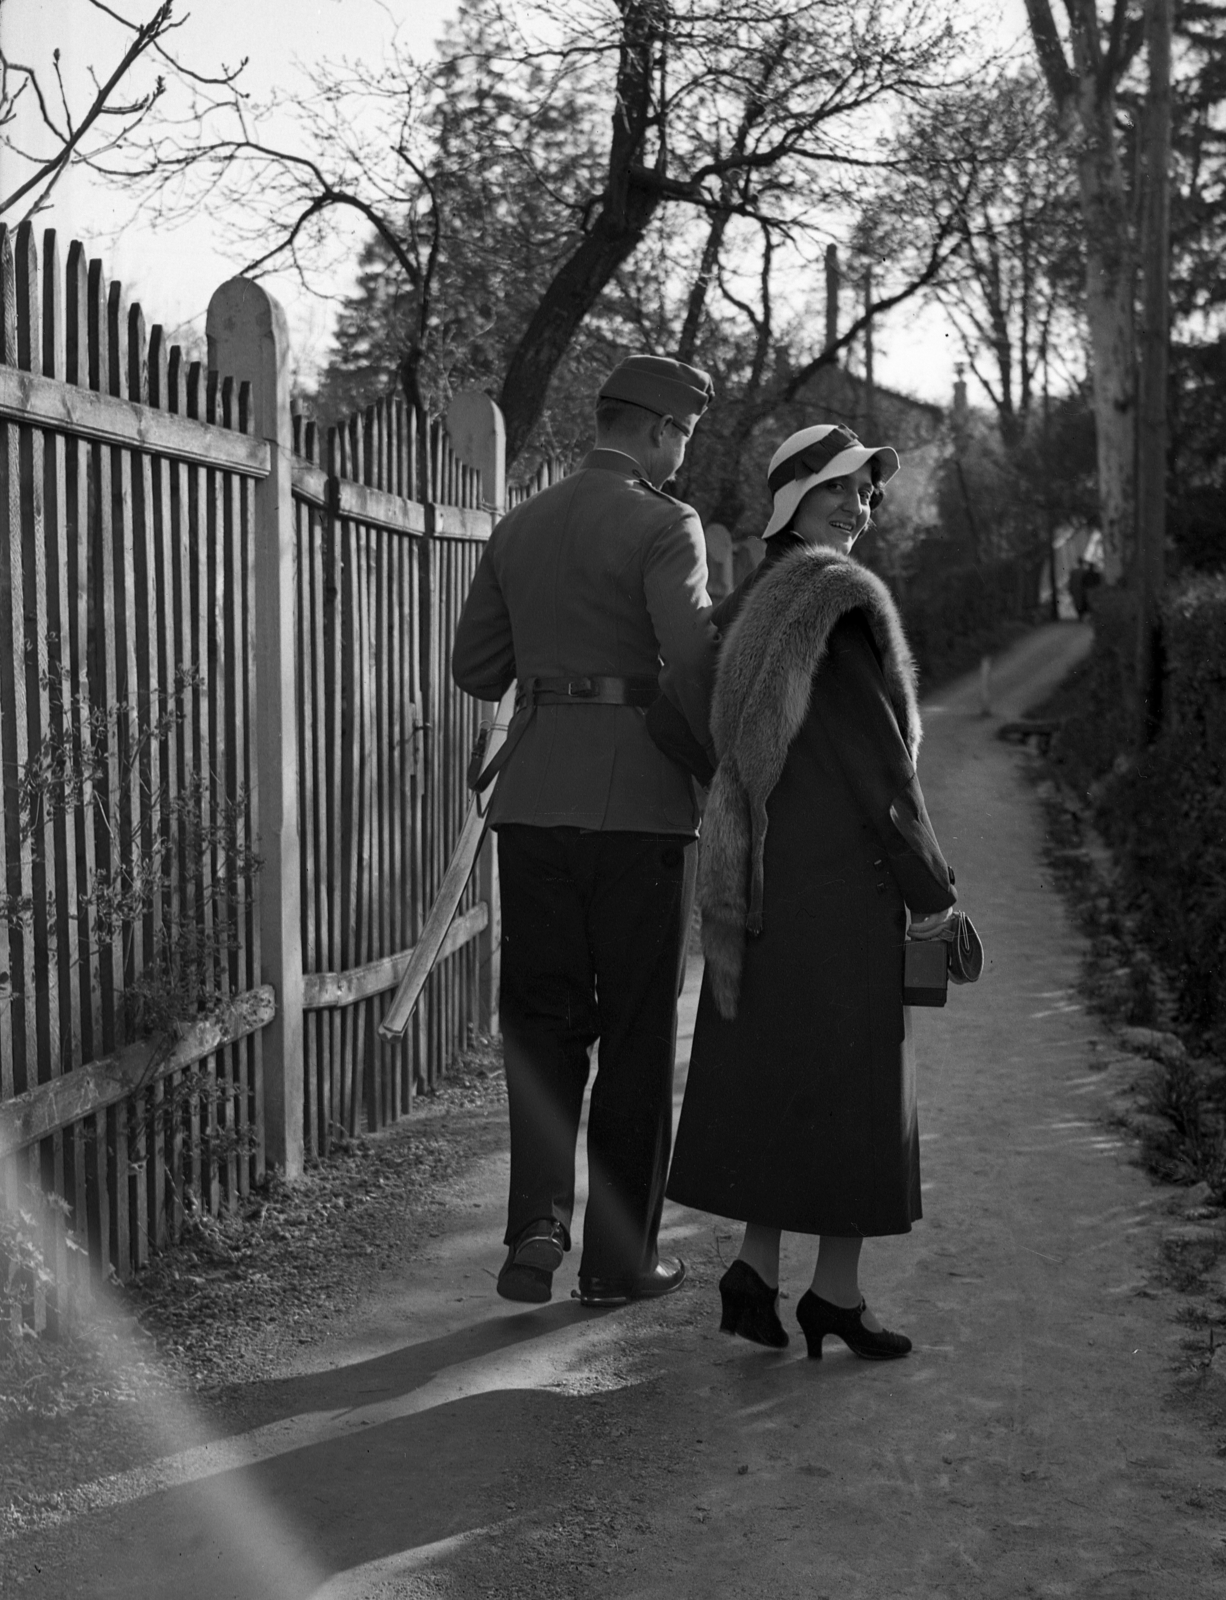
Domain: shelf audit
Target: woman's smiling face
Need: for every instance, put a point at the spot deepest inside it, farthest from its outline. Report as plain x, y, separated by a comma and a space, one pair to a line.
836, 512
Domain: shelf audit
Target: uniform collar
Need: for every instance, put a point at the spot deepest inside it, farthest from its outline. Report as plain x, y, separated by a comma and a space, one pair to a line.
614, 461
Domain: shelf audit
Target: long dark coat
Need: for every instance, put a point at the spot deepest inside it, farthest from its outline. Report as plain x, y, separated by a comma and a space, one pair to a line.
800, 1107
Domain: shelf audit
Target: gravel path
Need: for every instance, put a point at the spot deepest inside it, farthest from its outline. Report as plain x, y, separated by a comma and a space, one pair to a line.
432, 1441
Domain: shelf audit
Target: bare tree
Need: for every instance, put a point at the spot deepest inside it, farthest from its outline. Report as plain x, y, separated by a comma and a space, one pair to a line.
1014, 290
716, 111
60, 137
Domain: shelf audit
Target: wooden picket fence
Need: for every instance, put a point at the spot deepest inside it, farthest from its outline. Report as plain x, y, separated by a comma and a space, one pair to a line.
233, 768
382, 574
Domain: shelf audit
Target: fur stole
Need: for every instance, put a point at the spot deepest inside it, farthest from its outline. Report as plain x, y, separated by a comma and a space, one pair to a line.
762, 690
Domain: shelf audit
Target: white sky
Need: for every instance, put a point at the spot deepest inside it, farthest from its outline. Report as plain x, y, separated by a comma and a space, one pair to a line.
173, 273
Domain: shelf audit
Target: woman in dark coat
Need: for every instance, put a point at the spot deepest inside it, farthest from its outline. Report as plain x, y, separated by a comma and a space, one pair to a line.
799, 1111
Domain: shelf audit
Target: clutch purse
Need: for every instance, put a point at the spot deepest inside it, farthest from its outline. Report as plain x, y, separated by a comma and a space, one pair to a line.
929, 964
925, 972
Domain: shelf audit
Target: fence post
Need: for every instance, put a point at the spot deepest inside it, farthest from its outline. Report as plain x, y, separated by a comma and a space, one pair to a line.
478, 434
248, 340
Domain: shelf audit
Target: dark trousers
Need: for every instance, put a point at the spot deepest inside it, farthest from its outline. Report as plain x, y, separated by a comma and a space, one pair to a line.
593, 943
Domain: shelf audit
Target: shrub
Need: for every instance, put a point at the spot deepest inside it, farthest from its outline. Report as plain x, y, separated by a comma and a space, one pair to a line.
1164, 812
954, 615
1098, 728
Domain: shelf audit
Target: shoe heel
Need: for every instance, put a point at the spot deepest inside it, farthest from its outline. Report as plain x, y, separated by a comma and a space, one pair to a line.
731, 1306
749, 1307
543, 1254
819, 1317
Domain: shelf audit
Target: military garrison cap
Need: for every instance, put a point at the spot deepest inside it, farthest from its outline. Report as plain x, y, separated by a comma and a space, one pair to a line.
660, 384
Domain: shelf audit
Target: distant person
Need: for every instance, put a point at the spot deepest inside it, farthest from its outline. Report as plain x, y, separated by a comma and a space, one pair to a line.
799, 1110
1077, 589
1091, 577
593, 594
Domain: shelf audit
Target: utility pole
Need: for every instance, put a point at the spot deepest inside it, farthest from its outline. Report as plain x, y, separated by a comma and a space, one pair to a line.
870, 388
1151, 409
832, 296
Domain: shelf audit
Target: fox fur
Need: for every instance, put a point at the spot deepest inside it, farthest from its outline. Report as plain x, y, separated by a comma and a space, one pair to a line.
762, 689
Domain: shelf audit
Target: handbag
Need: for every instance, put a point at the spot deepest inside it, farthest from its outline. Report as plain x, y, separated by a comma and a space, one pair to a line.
929, 964
925, 972
965, 950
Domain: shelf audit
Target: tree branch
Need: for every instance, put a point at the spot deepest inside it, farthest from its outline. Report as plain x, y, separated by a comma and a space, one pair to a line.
146, 35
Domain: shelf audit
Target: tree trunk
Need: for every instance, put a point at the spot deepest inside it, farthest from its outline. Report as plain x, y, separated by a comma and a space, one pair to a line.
568, 299
629, 201
1152, 417
1084, 93
1110, 292
697, 303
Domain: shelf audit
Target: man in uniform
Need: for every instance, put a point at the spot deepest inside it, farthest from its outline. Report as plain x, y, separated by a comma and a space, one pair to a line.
593, 594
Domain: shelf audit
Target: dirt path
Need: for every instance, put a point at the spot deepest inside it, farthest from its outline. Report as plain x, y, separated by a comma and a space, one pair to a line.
448, 1444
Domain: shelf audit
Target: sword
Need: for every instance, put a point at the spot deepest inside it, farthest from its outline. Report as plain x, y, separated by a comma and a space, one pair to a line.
424, 953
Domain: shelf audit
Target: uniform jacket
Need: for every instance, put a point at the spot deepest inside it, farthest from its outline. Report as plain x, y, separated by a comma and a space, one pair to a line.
769, 685
602, 576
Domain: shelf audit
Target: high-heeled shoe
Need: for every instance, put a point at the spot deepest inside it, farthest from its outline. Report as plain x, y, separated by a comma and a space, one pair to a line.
750, 1307
818, 1317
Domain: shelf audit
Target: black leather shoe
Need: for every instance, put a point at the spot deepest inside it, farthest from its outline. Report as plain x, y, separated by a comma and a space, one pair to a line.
527, 1273
663, 1278
818, 1317
532, 1285
750, 1307
541, 1244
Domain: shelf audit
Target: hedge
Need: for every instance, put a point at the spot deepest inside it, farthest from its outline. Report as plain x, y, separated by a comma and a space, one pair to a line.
1164, 812
956, 614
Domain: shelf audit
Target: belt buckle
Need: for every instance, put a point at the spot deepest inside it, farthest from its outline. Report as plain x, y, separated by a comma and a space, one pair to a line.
580, 688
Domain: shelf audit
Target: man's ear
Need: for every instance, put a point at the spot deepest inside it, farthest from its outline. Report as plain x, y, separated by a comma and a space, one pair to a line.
657, 430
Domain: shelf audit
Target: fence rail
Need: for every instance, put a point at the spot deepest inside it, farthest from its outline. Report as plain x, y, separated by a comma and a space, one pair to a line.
232, 763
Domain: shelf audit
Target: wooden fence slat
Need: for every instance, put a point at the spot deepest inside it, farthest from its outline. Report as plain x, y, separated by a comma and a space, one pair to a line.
104, 666
15, 645
78, 466
316, 644
10, 941
334, 691
364, 756
307, 711
145, 1155
33, 466
249, 968
164, 661
62, 674
393, 732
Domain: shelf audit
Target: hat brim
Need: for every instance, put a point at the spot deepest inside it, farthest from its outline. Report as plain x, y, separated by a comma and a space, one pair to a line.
791, 494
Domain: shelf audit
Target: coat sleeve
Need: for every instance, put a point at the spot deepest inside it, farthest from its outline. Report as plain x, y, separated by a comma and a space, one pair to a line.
849, 695
675, 585
483, 656
669, 727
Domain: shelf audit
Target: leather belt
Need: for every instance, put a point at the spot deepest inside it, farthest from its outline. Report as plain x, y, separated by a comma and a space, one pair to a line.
576, 690
579, 690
